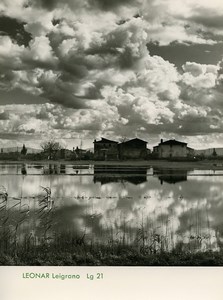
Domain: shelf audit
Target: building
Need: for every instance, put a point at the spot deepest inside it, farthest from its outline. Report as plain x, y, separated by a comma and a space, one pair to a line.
65, 154
105, 150
132, 149
170, 149
190, 152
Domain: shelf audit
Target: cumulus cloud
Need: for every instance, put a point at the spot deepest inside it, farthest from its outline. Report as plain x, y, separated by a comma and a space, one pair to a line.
86, 66
197, 69
200, 75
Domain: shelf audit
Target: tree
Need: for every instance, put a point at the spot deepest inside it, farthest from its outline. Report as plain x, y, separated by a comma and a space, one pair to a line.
51, 148
214, 152
24, 150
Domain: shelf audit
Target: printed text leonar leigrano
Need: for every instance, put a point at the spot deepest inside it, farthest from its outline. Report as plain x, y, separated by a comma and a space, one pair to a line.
32, 275
50, 276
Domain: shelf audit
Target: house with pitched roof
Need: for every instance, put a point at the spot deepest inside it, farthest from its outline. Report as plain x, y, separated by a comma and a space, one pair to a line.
170, 149
132, 149
105, 149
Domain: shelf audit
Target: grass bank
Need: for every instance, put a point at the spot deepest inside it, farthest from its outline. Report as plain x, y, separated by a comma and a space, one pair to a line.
107, 256
185, 165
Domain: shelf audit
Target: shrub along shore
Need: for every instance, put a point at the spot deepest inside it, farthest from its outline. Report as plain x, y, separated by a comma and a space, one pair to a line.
106, 256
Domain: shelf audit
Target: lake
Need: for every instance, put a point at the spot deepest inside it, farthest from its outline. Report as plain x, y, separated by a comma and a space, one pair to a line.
158, 208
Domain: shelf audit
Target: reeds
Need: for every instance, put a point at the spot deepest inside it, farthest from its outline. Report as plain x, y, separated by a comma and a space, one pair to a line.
31, 235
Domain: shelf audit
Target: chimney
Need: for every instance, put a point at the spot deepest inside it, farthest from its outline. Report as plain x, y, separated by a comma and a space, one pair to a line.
161, 141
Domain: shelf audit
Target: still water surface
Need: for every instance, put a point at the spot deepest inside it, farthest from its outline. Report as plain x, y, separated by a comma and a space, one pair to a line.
152, 206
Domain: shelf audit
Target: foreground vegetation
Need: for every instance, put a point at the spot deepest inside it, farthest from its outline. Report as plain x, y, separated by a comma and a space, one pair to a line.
94, 255
43, 244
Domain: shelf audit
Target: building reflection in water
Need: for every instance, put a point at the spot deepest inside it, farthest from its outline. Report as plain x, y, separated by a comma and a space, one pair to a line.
170, 175
24, 170
108, 174
171, 215
54, 169
62, 169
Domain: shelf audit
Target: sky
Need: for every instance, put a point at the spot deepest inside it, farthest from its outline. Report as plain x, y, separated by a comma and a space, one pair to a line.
79, 70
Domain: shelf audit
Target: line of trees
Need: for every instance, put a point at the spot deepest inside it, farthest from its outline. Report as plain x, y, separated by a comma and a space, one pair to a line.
51, 150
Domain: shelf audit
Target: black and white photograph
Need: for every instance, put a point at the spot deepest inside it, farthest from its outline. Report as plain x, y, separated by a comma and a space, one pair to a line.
111, 133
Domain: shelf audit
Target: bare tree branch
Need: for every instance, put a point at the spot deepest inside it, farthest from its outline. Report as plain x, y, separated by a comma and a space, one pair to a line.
51, 148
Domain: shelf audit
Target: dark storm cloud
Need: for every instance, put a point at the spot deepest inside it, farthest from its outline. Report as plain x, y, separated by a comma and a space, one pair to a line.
47, 4
50, 5
207, 18
17, 136
42, 115
108, 4
17, 96
14, 29
179, 54
88, 4
209, 21
182, 126
4, 116
67, 100
201, 126
77, 69
63, 91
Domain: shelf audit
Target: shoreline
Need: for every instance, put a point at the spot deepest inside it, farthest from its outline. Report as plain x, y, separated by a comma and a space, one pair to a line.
164, 164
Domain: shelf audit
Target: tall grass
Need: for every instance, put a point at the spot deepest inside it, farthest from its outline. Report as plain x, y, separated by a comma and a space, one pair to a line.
29, 234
